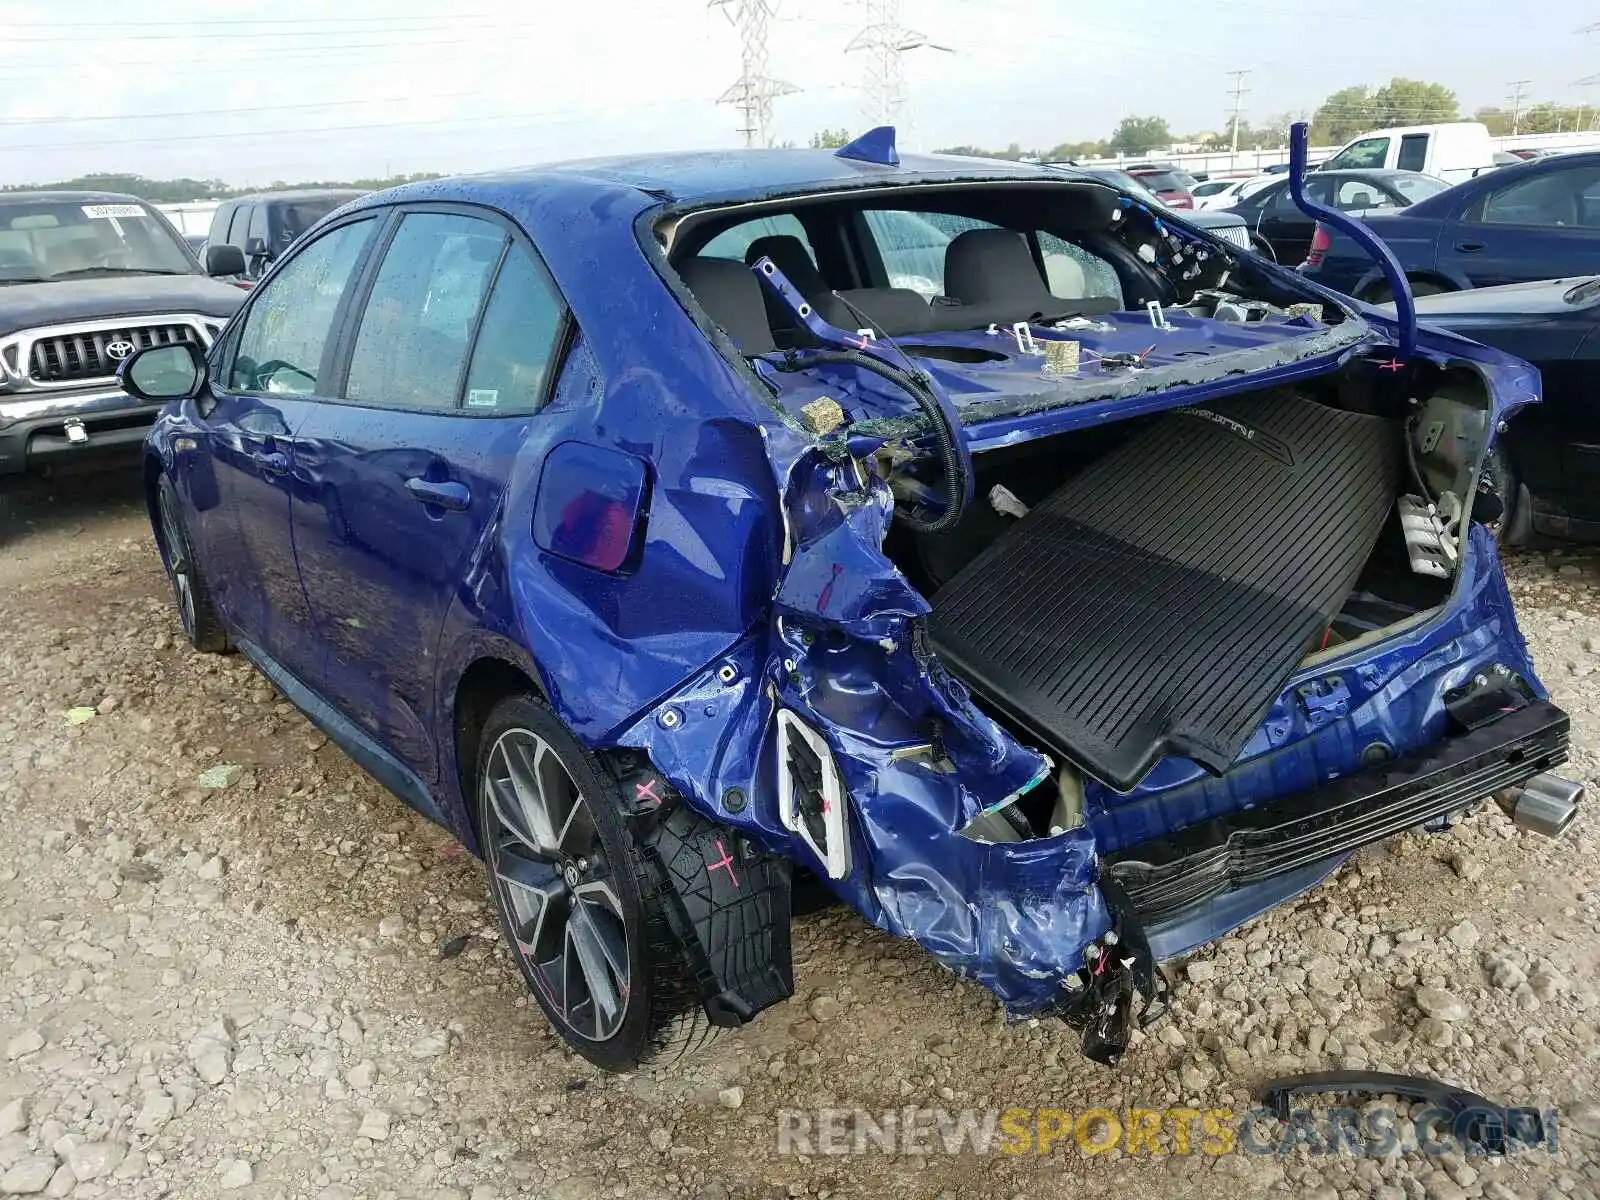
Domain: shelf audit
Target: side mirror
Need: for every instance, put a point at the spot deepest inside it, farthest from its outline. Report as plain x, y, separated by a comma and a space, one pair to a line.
158, 373
224, 260
256, 248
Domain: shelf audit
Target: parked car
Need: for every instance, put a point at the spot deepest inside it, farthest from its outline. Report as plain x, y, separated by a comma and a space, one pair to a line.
1225, 193
1283, 231
1537, 220
626, 520
1451, 150
1175, 187
266, 225
1225, 225
87, 278
1548, 461
196, 243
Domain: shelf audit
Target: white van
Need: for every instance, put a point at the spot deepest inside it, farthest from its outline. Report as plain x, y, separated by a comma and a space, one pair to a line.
1452, 151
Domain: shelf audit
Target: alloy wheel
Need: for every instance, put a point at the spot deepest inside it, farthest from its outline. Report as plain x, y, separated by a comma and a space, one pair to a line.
179, 568
554, 886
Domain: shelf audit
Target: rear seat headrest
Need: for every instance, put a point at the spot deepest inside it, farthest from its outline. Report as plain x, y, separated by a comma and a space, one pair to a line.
995, 266
731, 295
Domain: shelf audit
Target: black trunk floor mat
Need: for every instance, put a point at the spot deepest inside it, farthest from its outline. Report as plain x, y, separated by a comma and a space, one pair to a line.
1156, 602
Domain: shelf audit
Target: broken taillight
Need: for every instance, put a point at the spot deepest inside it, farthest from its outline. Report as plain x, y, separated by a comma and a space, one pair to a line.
1320, 241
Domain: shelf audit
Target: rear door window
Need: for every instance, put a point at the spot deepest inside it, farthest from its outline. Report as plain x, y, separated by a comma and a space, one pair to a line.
1074, 273
1413, 152
1551, 201
519, 337
1354, 194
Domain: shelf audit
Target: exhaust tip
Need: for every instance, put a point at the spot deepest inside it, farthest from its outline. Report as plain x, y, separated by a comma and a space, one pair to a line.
1546, 804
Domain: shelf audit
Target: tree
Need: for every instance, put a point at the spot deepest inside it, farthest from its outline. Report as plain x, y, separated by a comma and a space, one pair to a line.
1404, 101
1343, 115
829, 139
1140, 135
1093, 149
1354, 110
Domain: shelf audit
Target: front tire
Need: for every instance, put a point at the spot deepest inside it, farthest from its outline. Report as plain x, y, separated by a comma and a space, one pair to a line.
575, 902
198, 615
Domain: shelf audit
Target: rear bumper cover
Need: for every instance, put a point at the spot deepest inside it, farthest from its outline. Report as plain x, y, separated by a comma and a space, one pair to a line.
1166, 876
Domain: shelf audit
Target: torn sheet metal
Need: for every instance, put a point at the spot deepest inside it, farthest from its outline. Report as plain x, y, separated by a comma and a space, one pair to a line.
918, 760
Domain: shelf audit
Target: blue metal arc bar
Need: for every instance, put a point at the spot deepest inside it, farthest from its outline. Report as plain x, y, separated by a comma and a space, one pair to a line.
1405, 307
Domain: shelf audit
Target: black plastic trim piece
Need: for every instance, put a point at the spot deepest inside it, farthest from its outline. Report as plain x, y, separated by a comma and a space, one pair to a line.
1165, 875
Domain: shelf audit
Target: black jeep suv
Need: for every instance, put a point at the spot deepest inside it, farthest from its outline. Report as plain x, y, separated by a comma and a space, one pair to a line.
87, 278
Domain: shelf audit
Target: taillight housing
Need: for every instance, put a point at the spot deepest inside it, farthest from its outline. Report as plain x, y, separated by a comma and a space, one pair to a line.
1320, 241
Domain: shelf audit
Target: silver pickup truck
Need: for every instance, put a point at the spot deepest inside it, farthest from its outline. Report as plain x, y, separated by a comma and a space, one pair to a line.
87, 278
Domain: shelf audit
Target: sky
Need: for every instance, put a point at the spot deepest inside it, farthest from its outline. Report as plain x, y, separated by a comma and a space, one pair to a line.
252, 91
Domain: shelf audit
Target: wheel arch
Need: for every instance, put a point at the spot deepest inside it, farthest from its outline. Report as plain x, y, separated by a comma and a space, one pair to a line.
484, 682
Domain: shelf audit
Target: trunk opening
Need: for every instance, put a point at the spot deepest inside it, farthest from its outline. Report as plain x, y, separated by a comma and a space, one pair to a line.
1392, 577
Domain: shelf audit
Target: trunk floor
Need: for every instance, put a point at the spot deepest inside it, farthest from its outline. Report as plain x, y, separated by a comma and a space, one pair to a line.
1156, 603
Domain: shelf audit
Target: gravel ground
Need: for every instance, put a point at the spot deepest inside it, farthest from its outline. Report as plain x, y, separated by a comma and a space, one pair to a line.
289, 985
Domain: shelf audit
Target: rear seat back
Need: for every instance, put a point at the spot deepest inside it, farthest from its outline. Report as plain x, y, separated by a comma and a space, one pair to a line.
731, 295
993, 274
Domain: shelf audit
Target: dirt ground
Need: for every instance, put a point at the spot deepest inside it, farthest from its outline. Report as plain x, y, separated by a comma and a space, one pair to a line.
289, 986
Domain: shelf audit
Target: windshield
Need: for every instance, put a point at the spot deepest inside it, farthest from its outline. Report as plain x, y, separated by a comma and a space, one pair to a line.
43, 240
1416, 187
1212, 187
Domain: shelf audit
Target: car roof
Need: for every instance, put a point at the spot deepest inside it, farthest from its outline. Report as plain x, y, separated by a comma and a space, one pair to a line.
706, 176
294, 195
70, 197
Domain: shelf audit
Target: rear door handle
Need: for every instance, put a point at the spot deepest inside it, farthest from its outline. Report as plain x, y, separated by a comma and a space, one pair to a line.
442, 494
1468, 247
274, 462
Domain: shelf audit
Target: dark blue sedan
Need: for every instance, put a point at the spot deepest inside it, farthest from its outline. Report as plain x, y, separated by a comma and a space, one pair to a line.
1536, 220
1042, 573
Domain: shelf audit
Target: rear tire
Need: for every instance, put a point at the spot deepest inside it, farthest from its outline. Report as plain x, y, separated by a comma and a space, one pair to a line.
197, 614
1515, 525
576, 903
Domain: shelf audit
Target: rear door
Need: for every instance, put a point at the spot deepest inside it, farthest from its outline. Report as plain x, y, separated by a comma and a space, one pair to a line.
277, 362
1543, 226
398, 479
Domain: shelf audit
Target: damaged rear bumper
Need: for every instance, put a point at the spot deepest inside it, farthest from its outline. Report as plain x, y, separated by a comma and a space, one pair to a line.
1166, 878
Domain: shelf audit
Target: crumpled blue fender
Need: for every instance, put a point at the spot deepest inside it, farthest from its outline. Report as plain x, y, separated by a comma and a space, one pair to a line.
918, 760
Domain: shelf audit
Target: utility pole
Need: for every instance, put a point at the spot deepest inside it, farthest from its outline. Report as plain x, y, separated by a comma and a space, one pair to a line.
1238, 92
1516, 86
754, 91
885, 40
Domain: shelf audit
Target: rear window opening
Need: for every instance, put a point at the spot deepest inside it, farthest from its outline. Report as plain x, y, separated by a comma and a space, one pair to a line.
949, 271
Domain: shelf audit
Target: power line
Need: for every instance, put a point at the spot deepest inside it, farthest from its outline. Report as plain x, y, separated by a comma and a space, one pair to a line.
884, 42
754, 91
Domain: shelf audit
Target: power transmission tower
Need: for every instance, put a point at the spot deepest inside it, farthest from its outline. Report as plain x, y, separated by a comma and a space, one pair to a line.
1238, 104
754, 91
1516, 86
885, 39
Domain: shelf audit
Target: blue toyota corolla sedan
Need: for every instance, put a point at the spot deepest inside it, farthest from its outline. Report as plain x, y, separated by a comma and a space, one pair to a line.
1060, 585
